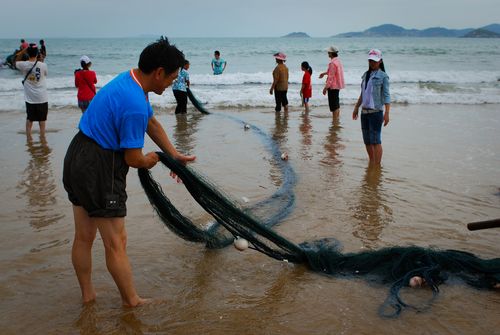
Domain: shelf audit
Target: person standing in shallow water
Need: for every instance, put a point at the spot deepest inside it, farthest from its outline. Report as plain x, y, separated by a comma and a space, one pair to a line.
373, 99
43, 51
110, 140
218, 64
85, 80
306, 88
334, 81
280, 82
179, 88
35, 89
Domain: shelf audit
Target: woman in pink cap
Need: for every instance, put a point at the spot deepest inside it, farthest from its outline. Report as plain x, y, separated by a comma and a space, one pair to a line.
280, 82
374, 98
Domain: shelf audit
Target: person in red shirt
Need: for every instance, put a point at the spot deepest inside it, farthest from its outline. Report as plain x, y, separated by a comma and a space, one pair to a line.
306, 89
85, 81
24, 45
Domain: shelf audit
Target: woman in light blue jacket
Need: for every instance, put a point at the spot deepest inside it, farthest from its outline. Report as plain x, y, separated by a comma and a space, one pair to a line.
374, 98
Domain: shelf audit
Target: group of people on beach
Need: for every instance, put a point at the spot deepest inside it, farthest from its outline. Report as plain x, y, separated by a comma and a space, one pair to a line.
182, 83
374, 100
112, 131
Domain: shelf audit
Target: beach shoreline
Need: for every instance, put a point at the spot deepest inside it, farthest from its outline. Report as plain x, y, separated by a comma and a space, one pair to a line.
439, 172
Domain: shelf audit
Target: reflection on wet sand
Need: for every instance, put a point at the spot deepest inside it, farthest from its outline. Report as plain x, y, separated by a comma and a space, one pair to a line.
333, 145
305, 130
279, 134
280, 128
38, 185
184, 132
371, 210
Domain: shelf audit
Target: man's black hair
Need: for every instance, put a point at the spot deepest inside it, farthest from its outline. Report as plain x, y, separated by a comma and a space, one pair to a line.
161, 54
32, 50
217, 52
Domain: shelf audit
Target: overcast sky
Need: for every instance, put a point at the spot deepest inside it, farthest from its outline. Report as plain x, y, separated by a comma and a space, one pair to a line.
233, 18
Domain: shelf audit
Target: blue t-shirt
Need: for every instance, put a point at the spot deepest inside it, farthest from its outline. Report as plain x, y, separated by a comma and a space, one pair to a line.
218, 65
180, 83
117, 117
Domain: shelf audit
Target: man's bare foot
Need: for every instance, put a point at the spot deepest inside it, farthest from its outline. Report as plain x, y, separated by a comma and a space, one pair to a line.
137, 302
88, 298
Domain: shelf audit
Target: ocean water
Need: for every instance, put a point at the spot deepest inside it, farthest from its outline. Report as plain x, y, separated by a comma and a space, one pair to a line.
421, 70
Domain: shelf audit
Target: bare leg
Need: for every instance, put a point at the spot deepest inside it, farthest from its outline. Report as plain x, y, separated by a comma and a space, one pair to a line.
42, 127
285, 108
81, 255
306, 105
336, 113
29, 125
369, 151
377, 153
114, 237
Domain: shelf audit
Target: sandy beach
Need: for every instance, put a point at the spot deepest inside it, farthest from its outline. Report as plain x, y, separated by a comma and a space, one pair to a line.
440, 170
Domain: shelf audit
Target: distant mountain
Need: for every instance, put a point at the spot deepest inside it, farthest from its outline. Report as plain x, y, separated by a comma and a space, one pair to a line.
391, 30
482, 33
296, 34
492, 27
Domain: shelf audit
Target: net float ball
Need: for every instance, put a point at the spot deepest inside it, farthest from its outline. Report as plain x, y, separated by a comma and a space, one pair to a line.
241, 244
416, 281
284, 156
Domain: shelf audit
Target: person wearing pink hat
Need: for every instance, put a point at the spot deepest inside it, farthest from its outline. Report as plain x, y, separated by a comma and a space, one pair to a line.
334, 81
280, 82
374, 98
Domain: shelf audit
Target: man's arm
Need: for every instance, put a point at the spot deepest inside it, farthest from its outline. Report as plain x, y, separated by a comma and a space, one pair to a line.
159, 136
136, 159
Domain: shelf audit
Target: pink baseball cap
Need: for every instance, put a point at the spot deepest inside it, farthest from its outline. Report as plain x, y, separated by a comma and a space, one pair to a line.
280, 56
375, 55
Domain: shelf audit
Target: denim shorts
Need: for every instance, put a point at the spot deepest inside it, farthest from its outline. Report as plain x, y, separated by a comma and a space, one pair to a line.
84, 104
371, 125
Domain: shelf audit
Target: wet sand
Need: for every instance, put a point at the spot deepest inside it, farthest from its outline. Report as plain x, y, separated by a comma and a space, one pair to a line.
440, 171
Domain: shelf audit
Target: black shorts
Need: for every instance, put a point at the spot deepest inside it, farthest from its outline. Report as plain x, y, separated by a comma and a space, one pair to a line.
37, 112
333, 99
281, 100
95, 178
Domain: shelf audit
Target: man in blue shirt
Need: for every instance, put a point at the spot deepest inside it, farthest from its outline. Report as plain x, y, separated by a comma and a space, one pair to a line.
110, 140
218, 64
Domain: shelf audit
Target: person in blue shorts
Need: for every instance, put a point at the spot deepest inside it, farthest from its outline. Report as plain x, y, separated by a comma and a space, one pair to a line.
218, 64
110, 140
374, 98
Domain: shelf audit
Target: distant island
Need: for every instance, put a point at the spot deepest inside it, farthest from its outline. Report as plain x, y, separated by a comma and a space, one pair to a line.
482, 33
392, 30
296, 34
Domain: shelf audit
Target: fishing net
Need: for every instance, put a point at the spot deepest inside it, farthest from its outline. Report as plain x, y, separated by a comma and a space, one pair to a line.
196, 103
393, 266
267, 212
